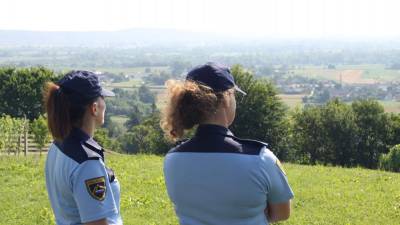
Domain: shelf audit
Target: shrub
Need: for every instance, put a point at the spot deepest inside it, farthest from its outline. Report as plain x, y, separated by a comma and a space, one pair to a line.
391, 160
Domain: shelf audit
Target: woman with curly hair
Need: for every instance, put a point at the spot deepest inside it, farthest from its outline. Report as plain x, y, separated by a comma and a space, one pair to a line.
215, 177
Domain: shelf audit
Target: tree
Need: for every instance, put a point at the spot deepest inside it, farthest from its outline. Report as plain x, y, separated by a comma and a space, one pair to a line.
145, 95
373, 131
135, 117
40, 132
394, 128
307, 135
340, 134
339, 126
101, 136
21, 91
260, 114
146, 137
391, 160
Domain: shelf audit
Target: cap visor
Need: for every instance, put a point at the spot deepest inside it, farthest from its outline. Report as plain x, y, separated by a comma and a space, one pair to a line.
107, 93
240, 90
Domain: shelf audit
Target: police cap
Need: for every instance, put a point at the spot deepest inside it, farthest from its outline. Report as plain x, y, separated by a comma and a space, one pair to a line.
214, 75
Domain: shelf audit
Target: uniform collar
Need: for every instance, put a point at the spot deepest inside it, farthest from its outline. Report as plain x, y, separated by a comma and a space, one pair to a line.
80, 147
79, 134
212, 129
87, 141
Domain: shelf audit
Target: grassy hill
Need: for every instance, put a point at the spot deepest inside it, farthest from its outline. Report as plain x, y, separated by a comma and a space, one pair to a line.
323, 195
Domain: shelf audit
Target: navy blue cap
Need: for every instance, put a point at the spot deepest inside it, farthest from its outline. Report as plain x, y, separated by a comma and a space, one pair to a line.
81, 86
216, 76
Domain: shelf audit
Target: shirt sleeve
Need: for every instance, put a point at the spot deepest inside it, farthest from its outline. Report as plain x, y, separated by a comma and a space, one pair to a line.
92, 191
278, 190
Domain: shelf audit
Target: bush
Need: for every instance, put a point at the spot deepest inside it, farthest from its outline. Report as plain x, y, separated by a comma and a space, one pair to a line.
101, 137
146, 137
11, 130
40, 132
391, 160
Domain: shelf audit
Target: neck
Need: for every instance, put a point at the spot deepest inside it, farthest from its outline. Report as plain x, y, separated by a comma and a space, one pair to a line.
219, 118
88, 128
216, 123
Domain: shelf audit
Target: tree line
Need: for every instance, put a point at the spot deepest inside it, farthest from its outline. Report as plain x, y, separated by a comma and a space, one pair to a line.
335, 133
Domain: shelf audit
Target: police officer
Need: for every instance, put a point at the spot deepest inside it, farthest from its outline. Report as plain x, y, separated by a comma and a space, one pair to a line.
82, 190
215, 177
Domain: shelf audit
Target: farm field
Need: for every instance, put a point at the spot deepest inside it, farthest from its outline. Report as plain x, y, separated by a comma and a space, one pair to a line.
391, 106
126, 84
292, 101
323, 195
351, 74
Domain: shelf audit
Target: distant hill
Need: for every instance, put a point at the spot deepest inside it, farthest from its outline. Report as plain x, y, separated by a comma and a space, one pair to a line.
131, 37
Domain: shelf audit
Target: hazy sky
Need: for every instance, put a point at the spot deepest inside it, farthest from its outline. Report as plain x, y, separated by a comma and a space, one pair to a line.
273, 18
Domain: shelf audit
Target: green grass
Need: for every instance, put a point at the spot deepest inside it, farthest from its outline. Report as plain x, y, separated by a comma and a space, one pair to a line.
293, 101
378, 72
323, 195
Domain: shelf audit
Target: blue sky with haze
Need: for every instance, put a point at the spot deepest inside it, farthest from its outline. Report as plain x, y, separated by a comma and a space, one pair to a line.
253, 18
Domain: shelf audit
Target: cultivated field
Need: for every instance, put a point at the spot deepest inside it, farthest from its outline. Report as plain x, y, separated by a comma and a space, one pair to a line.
350, 74
323, 195
292, 101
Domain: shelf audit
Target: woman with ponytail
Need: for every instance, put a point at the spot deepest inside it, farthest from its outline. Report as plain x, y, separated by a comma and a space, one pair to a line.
81, 189
216, 178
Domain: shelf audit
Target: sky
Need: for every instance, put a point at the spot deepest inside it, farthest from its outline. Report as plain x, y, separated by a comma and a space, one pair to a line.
253, 18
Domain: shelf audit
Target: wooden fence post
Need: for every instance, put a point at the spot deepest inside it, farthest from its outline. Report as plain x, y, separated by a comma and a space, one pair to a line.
26, 142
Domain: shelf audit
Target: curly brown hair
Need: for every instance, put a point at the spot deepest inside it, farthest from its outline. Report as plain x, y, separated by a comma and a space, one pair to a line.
188, 104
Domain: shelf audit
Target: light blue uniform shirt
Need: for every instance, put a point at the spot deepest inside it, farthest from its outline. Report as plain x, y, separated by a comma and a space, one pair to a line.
215, 178
80, 187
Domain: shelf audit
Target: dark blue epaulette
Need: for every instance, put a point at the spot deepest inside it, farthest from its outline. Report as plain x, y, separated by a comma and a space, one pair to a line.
93, 149
179, 142
248, 141
80, 151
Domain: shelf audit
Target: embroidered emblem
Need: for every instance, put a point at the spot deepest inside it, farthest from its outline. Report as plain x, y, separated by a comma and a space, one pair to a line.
279, 164
97, 188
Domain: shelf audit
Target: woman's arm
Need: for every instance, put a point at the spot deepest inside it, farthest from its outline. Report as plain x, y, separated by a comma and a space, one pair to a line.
98, 222
277, 211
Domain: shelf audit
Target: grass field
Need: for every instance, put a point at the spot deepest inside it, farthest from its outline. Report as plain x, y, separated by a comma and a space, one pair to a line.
323, 195
365, 73
292, 101
391, 106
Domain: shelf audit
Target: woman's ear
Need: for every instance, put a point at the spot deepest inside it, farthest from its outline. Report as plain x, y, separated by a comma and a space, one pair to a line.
227, 98
93, 109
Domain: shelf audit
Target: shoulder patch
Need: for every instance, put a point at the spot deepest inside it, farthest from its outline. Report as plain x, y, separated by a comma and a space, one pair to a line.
97, 188
279, 164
